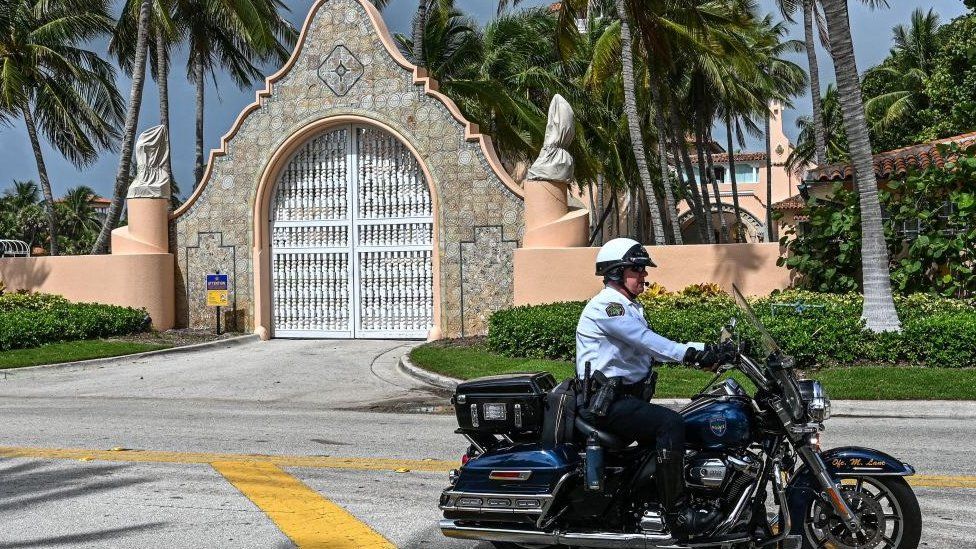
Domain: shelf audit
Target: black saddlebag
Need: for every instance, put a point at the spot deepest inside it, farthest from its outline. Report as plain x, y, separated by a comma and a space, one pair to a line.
503, 404
560, 422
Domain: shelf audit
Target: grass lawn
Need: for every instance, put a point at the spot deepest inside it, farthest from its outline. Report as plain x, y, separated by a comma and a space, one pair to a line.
855, 383
73, 350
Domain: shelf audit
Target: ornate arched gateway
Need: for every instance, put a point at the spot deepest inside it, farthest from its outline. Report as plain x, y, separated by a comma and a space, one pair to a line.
352, 239
351, 199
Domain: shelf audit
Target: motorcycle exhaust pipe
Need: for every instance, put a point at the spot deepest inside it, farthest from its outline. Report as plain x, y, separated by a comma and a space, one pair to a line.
609, 540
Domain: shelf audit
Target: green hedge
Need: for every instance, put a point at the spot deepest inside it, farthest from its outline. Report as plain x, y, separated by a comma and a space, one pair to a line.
29, 320
825, 331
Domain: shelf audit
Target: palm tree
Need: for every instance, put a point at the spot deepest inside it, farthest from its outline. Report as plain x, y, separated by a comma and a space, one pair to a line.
234, 36
450, 42
78, 221
129, 136
912, 62
61, 90
22, 217
819, 133
812, 15
163, 36
630, 111
835, 138
879, 307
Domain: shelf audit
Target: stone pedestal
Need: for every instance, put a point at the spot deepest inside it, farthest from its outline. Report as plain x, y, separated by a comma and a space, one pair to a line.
148, 228
549, 221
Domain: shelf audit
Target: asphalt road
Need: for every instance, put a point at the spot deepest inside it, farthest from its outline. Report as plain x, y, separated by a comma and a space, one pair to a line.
192, 435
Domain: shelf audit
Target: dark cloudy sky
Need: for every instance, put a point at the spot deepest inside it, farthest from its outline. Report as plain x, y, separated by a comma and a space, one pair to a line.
872, 39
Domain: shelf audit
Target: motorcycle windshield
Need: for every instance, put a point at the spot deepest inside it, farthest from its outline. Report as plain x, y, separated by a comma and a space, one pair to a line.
768, 342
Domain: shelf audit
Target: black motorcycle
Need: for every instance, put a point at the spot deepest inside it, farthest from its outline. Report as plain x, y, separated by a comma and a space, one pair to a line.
755, 458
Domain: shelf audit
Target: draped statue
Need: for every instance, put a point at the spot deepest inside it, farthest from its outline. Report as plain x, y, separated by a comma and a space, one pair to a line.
152, 152
555, 163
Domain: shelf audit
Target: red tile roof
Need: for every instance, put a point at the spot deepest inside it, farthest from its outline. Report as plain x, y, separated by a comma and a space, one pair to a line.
794, 202
894, 163
723, 158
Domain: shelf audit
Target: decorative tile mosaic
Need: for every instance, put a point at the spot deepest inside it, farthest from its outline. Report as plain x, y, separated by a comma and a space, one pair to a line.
374, 86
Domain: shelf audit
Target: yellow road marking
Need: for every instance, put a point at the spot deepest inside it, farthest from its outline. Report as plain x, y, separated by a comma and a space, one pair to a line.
942, 481
329, 462
152, 456
307, 518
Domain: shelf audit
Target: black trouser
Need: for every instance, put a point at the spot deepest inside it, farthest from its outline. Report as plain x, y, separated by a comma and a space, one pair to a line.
649, 424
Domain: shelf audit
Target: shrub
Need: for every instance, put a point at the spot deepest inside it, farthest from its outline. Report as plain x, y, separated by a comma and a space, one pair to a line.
943, 339
31, 319
817, 329
536, 331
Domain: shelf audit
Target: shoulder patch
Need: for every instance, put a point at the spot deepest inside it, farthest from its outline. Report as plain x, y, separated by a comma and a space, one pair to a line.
615, 309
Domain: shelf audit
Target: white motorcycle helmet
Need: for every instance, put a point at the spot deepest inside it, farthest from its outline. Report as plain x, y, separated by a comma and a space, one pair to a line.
619, 253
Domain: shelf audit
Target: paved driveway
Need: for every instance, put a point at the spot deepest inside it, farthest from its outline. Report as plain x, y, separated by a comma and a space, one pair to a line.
267, 444
170, 417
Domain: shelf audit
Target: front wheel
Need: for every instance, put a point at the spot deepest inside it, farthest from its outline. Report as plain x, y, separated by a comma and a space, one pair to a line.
888, 511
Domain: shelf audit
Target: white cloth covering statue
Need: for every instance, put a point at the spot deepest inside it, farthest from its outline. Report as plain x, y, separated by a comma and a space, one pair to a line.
554, 162
152, 154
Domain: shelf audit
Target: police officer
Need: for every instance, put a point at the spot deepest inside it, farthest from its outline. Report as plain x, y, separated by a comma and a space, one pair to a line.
614, 338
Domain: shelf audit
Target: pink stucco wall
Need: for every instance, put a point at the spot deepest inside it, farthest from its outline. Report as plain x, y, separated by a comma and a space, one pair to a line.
143, 280
546, 275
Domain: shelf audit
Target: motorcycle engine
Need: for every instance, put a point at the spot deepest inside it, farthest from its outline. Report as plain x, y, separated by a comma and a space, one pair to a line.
707, 472
716, 473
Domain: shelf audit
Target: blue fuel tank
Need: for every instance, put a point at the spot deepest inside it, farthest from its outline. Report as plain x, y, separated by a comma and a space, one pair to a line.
717, 423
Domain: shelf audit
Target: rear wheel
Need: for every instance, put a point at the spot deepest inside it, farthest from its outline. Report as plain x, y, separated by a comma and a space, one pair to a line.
888, 511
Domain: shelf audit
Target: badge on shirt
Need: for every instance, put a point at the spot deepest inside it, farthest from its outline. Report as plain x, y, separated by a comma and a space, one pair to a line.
615, 309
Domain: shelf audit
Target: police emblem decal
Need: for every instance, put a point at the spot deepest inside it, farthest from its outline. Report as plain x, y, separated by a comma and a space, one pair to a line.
717, 425
615, 309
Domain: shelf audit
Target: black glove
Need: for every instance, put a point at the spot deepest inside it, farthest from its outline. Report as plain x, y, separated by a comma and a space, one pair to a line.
711, 356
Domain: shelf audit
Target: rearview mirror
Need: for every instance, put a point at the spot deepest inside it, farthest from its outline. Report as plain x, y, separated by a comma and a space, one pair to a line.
728, 330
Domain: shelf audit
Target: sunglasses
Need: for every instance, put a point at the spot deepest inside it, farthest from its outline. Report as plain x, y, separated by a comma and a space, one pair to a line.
638, 270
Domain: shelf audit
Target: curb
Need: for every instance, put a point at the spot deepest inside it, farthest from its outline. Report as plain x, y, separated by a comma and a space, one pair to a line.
218, 344
430, 378
897, 409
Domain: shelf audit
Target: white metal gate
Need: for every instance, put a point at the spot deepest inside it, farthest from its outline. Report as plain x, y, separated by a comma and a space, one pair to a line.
352, 240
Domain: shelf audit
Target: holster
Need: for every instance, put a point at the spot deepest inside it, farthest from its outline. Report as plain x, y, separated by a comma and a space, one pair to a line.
606, 393
648, 387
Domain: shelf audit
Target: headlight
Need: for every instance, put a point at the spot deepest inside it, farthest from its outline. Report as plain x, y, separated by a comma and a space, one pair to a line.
818, 404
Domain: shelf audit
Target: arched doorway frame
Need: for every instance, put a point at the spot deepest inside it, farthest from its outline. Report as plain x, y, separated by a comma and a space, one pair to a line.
687, 218
261, 250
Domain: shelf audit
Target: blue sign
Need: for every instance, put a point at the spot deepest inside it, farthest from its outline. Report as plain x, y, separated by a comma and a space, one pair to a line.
216, 282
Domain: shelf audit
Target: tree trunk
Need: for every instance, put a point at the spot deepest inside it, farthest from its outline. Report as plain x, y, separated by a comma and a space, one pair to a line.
769, 182
739, 227
593, 210
702, 203
633, 127
418, 33
52, 220
703, 180
598, 232
198, 157
690, 191
662, 140
819, 133
162, 82
710, 165
669, 203
129, 137
879, 307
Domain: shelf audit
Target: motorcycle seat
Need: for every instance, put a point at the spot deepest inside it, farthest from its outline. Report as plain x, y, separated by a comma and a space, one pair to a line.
609, 441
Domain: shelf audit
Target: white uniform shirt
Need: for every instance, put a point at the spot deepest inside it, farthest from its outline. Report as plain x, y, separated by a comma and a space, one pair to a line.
613, 336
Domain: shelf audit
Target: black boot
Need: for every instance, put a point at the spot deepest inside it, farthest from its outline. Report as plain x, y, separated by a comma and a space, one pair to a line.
684, 521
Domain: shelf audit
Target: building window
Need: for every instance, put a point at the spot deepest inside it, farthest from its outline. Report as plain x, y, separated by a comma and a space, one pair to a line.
746, 173
720, 174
